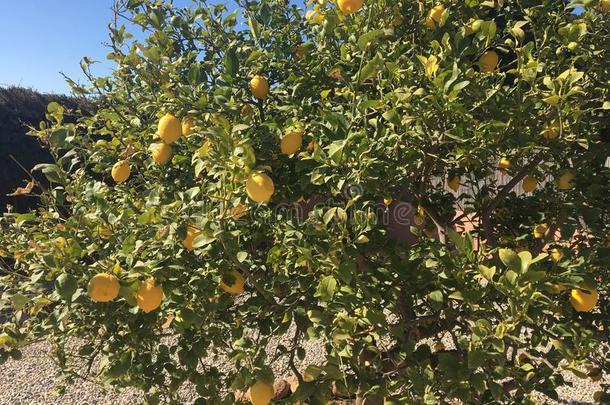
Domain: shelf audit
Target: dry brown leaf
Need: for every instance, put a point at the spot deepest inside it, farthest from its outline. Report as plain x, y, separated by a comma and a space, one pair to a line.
23, 190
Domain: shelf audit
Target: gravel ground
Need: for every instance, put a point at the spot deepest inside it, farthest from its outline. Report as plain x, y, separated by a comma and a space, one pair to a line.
31, 381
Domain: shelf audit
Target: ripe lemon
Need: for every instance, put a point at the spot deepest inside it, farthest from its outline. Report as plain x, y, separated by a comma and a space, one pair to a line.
161, 153
169, 128
436, 13
104, 287
259, 87
235, 286
434, 16
584, 299
488, 61
454, 183
540, 231
387, 201
191, 234
291, 142
350, 6
149, 295
565, 180
259, 187
121, 171
504, 164
556, 254
261, 393
551, 131
529, 183
187, 126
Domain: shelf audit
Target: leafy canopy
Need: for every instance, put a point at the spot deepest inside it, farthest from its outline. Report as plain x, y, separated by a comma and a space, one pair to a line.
362, 245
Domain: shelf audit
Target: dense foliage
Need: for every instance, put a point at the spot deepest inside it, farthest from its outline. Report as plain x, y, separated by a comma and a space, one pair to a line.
363, 243
20, 108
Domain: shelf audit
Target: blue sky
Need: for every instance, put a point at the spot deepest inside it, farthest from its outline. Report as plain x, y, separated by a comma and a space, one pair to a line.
41, 38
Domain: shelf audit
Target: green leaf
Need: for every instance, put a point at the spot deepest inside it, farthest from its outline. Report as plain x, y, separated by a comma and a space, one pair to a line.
231, 64
436, 299
510, 258
65, 285
326, 288
369, 38
476, 358
254, 28
242, 256
526, 260
370, 69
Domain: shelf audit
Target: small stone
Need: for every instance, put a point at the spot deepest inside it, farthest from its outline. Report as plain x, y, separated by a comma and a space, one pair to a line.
281, 389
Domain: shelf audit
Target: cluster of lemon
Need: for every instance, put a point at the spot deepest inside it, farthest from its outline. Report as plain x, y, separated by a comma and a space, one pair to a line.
564, 181
260, 188
105, 287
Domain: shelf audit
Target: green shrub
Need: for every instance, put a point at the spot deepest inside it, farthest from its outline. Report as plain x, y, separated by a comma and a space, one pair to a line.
361, 243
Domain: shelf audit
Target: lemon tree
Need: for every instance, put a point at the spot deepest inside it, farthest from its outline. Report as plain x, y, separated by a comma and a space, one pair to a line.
421, 188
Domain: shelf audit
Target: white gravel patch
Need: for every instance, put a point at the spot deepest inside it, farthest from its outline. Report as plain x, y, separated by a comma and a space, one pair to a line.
32, 380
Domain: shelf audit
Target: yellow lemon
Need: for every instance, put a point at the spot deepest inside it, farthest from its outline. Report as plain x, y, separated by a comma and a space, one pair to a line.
187, 126
121, 171
540, 231
350, 6
504, 164
261, 393
169, 128
454, 183
529, 183
488, 61
584, 299
259, 87
161, 153
565, 180
191, 234
291, 142
436, 14
387, 201
104, 287
551, 131
556, 254
234, 286
259, 187
149, 295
